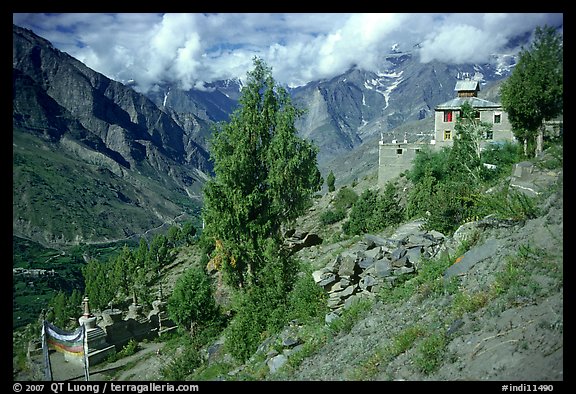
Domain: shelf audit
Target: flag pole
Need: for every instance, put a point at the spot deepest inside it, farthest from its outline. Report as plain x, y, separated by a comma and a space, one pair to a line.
86, 358
46, 353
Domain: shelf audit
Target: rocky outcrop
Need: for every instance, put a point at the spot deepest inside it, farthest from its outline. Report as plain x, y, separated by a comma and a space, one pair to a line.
375, 262
532, 180
295, 240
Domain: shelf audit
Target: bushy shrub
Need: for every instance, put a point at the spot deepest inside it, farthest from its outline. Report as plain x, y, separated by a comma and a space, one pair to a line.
345, 198
192, 301
373, 212
332, 216
243, 334
184, 364
307, 300
262, 309
330, 181
451, 205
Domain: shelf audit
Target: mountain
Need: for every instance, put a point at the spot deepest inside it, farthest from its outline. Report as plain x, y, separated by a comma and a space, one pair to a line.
197, 110
89, 151
359, 105
342, 112
93, 160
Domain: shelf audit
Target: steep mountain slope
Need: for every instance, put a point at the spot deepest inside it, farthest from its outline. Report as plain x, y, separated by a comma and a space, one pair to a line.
93, 159
196, 110
359, 105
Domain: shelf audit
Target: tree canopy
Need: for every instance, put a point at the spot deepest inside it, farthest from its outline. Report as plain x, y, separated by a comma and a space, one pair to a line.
534, 91
265, 176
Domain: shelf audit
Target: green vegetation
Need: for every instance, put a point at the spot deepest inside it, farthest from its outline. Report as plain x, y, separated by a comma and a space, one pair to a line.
449, 186
374, 212
59, 199
330, 179
350, 316
192, 302
430, 353
265, 177
33, 293
127, 350
129, 273
344, 200
534, 92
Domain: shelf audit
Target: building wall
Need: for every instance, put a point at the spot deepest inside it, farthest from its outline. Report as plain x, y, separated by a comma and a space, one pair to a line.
501, 131
395, 158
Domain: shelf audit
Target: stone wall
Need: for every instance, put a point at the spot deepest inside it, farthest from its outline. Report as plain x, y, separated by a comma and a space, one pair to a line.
395, 158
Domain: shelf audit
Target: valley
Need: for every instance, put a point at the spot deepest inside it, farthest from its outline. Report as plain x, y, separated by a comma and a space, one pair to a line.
99, 167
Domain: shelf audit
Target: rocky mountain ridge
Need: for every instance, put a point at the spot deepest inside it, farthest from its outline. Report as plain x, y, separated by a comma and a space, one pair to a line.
66, 115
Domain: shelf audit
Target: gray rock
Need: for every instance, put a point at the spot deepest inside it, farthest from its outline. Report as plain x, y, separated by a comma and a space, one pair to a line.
367, 282
334, 264
347, 265
347, 292
291, 341
335, 287
320, 275
375, 253
327, 280
366, 262
414, 254
404, 270
373, 239
330, 317
401, 262
398, 253
334, 302
471, 257
383, 268
276, 362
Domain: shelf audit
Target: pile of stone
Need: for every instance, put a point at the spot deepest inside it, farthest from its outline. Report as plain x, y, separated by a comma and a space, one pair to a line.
372, 263
295, 240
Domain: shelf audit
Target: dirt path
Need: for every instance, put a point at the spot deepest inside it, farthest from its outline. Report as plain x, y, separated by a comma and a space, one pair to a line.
145, 364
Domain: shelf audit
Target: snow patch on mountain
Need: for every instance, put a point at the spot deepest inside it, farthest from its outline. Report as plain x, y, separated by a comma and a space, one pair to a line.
385, 83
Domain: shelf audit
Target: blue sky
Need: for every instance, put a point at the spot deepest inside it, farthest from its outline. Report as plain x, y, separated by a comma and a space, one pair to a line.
192, 49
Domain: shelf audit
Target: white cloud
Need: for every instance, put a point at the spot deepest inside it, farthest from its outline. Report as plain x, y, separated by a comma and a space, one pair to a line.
191, 49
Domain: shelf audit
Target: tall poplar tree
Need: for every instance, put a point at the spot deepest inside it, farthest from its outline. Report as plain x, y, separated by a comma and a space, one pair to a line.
265, 177
534, 91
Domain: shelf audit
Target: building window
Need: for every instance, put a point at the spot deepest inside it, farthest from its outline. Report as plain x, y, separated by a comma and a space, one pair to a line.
399, 151
447, 116
477, 115
490, 135
447, 135
497, 117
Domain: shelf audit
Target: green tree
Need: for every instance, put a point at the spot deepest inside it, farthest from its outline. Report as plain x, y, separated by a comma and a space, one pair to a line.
265, 177
466, 153
188, 232
330, 180
100, 286
361, 213
534, 91
159, 253
192, 302
173, 236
